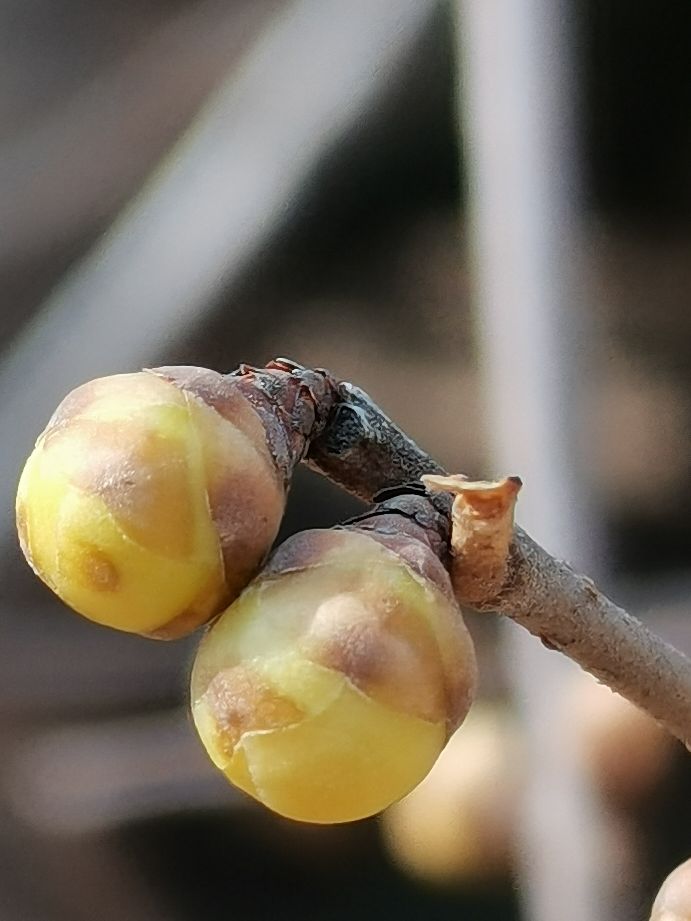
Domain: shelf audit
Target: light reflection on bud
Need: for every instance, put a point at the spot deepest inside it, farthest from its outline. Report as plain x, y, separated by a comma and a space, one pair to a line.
147, 506
329, 688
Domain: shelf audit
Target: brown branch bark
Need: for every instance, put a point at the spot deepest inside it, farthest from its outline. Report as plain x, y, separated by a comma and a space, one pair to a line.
363, 451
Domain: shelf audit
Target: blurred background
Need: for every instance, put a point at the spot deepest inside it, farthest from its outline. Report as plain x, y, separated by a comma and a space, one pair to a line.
479, 212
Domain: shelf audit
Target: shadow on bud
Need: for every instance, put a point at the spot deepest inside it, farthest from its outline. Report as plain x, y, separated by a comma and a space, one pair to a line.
151, 499
329, 688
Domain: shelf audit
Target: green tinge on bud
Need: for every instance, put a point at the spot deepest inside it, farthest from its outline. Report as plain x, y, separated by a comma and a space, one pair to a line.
329, 688
150, 500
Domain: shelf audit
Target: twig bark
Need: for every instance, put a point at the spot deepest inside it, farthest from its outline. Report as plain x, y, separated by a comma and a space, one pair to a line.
362, 450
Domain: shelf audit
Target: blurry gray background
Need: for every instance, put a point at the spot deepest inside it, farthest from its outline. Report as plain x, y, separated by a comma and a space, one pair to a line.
213, 182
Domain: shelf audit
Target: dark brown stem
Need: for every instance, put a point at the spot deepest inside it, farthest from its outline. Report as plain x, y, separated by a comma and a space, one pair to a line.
407, 515
363, 451
294, 404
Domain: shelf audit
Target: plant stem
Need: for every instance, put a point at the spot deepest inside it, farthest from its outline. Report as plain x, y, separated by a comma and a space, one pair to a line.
363, 451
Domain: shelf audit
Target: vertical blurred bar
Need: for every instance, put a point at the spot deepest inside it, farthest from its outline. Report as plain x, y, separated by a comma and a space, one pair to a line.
517, 99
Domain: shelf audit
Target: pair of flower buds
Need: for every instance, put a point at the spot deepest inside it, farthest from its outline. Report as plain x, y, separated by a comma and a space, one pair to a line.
332, 674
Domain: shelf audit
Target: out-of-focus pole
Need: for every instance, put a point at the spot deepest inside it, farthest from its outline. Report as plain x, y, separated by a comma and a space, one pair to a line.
517, 104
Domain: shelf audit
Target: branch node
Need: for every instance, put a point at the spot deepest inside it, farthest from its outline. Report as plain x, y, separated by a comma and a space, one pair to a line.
481, 532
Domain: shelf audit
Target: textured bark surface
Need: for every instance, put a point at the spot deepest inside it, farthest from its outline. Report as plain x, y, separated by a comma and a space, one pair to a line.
569, 613
363, 451
293, 403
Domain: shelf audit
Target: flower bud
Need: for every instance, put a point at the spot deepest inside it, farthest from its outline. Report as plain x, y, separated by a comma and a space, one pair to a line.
457, 825
673, 902
624, 752
329, 688
152, 498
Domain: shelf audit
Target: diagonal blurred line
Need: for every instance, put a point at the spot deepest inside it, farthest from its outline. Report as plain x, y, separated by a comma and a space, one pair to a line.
210, 208
72, 166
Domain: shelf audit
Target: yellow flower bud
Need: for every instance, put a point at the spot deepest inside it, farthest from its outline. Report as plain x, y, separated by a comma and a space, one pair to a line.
151, 499
329, 688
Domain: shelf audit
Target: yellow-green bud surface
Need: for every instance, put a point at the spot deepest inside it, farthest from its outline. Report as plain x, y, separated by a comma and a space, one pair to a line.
328, 689
143, 508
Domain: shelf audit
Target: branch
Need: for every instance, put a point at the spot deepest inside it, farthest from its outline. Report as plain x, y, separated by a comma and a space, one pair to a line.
362, 450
